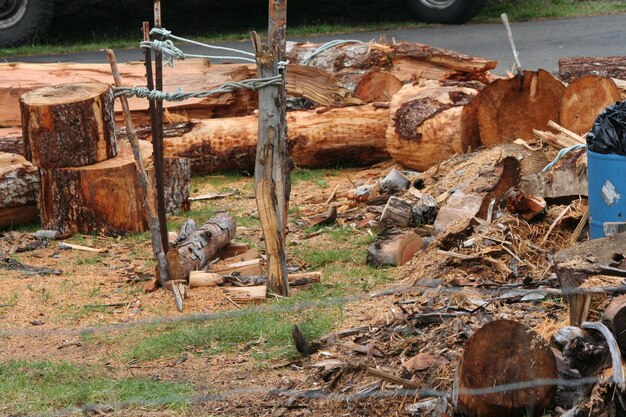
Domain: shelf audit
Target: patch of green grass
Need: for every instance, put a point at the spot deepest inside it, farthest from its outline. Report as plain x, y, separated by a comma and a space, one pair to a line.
223, 182
9, 301
35, 387
520, 10
267, 335
312, 175
27, 228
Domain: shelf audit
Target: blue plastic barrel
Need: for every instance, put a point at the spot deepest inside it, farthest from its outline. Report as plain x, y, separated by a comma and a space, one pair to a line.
607, 191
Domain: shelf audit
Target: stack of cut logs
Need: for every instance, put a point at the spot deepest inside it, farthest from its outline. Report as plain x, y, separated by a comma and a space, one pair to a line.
88, 180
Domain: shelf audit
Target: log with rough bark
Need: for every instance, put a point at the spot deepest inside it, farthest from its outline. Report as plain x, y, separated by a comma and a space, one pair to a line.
425, 123
103, 198
572, 68
584, 99
574, 265
505, 352
68, 125
350, 135
397, 212
177, 174
505, 113
393, 247
423, 60
19, 189
200, 246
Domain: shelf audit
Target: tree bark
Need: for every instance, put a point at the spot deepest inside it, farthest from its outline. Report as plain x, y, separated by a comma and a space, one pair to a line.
426, 123
19, 189
614, 317
584, 99
351, 135
201, 246
505, 113
68, 125
360, 56
576, 67
177, 174
103, 198
505, 352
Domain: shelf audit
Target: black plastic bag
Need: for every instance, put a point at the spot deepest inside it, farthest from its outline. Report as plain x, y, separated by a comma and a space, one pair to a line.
608, 134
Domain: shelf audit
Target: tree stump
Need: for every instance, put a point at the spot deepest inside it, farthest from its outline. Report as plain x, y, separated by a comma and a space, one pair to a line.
104, 198
584, 99
68, 125
505, 352
425, 123
505, 113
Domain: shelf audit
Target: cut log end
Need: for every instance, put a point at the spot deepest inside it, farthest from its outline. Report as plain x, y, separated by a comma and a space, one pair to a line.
505, 352
393, 249
377, 86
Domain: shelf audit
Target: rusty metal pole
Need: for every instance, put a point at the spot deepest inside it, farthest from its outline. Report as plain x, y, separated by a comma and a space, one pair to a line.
271, 173
157, 133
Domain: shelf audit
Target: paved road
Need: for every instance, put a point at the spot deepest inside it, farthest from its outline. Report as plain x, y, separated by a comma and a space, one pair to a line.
540, 43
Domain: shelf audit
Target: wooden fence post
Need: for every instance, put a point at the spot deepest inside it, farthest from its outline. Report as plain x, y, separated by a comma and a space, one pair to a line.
271, 174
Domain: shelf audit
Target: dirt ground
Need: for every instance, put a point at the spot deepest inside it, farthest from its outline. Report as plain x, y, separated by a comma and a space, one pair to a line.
42, 315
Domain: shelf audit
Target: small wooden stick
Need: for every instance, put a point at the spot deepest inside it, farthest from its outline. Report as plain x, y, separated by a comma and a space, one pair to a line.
555, 222
518, 64
153, 222
581, 225
392, 378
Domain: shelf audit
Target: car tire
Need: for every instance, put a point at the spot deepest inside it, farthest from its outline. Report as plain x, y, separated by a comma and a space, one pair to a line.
445, 11
22, 20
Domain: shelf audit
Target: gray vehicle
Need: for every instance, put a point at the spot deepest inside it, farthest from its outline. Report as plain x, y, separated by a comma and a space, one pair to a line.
22, 20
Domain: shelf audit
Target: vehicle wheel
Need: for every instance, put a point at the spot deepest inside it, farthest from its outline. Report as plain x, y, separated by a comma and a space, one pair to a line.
22, 20
445, 11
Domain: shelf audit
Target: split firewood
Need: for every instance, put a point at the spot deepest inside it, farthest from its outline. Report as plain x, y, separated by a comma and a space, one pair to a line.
200, 246
397, 213
377, 86
425, 210
19, 190
505, 113
425, 125
101, 198
353, 135
572, 68
295, 279
204, 279
564, 184
505, 352
584, 99
393, 247
246, 294
528, 206
394, 182
68, 125
248, 267
574, 265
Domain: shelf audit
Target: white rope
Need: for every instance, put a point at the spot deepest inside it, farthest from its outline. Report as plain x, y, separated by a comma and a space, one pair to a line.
324, 47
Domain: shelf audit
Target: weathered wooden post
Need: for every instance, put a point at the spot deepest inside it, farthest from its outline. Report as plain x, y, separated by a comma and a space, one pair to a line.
271, 174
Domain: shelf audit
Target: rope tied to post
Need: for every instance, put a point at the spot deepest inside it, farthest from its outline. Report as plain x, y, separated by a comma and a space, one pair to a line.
180, 95
166, 46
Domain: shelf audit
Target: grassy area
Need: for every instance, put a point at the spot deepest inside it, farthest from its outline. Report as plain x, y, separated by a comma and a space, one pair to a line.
233, 21
267, 335
35, 387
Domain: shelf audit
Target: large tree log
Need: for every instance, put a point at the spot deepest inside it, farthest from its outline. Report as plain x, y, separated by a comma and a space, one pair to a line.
584, 99
505, 113
572, 68
200, 246
190, 75
102, 198
68, 125
426, 123
19, 190
353, 135
505, 352
359, 56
